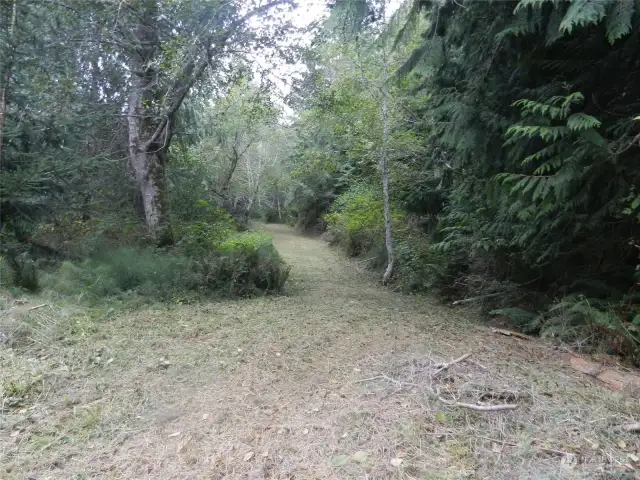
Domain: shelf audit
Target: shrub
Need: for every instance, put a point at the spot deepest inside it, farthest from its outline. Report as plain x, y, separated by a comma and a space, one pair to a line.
148, 272
201, 237
6, 275
356, 221
245, 264
419, 267
23, 270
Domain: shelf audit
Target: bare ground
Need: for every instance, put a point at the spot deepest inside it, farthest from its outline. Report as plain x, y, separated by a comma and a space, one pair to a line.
337, 379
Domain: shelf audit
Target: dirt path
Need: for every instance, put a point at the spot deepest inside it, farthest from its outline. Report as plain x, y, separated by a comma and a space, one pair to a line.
334, 380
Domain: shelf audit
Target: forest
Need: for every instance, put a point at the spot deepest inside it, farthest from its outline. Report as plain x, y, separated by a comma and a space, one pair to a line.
483, 151
297, 201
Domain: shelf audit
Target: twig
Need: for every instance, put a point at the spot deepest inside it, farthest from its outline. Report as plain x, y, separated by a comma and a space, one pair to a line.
444, 366
631, 427
378, 377
479, 365
509, 333
480, 408
511, 444
473, 299
37, 307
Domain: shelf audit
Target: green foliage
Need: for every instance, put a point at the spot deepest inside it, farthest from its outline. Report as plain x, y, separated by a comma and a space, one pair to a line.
240, 265
24, 271
204, 236
616, 328
513, 162
356, 221
419, 267
146, 272
6, 275
249, 264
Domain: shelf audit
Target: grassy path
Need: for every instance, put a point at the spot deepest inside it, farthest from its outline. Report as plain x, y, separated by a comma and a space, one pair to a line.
334, 380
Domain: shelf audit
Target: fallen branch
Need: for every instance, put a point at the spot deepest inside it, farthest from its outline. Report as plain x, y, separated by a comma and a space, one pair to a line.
444, 366
509, 333
480, 408
473, 299
37, 307
631, 427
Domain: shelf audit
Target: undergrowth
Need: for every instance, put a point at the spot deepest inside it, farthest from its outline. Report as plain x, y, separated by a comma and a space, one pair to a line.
209, 257
464, 273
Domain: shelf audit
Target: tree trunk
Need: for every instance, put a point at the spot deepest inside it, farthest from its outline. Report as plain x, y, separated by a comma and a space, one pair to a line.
149, 163
147, 148
150, 126
150, 176
384, 159
279, 210
4, 93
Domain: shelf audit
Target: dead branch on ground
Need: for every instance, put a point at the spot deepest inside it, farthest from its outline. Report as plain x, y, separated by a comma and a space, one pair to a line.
480, 408
444, 366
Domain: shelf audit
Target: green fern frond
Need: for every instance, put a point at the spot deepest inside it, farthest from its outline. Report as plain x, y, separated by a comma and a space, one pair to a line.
548, 134
530, 107
523, 4
582, 13
619, 19
545, 152
549, 167
581, 121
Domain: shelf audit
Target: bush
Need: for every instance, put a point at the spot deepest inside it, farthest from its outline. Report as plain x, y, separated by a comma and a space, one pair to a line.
202, 237
243, 264
418, 266
23, 271
356, 221
6, 275
151, 273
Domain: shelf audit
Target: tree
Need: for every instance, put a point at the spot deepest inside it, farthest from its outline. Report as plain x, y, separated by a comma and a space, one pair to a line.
361, 63
10, 11
170, 48
384, 88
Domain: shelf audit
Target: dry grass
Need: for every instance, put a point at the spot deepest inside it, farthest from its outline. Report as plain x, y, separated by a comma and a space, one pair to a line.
336, 380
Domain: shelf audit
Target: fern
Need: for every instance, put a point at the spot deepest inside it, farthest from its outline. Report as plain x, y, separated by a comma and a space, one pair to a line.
582, 13
619, 19
581, 121
524, 4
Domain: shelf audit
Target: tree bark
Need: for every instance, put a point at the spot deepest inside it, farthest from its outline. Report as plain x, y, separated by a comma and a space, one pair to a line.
4, 93
384, 158
147, 147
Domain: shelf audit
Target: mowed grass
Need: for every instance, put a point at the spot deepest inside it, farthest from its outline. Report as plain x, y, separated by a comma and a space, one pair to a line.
337, 379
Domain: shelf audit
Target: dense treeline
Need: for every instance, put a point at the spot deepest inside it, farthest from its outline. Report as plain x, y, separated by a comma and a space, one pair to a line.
515, 143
